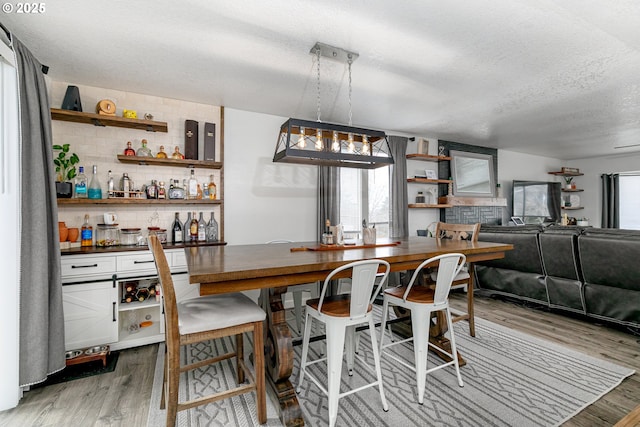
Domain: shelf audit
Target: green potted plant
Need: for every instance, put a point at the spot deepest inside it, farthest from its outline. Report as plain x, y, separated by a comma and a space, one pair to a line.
567, 181
65, 170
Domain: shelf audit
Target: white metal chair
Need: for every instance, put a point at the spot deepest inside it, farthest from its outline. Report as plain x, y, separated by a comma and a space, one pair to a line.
202, 319
341, 314
422, 301
296, 293
464, 279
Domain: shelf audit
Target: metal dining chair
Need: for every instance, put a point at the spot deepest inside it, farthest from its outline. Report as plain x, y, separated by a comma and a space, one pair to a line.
422, 301
202, 319
341, 314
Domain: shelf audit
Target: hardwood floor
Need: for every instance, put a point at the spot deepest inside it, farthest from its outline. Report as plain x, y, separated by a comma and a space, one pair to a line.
121, 398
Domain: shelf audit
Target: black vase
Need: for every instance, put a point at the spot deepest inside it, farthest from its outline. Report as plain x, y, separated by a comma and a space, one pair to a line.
64, 190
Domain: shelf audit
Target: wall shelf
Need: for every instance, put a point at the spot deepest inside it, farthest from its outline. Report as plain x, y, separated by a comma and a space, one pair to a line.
102, 120
428, 181
571, 190
183, 163
572, 208
560, 173
473, 201
428, 206
130, 201
427, 157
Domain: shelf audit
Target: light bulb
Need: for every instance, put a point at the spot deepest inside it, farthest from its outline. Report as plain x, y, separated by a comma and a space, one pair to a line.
301, 142
365, 145
335, 145
319, 144
351, 146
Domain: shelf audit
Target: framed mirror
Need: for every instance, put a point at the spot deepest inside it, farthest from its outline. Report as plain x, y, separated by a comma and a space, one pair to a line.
472, 174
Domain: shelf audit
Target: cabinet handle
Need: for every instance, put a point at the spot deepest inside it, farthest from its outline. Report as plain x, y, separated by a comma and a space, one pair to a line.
114, 311
142, 262
84, 266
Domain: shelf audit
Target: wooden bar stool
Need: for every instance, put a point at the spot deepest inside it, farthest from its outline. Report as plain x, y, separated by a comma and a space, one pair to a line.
202, 319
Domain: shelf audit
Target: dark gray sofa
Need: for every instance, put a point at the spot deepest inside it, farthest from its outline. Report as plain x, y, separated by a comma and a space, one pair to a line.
591, 271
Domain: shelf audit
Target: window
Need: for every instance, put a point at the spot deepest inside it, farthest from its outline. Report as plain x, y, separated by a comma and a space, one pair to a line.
629, 202
364, 195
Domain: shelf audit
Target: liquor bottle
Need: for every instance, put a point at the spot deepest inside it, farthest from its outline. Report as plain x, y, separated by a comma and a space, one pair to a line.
186, 236
125, 184
86, 233
185, 188
81, 185
192, 186
213, 192
152, 190
144, 151
95, 190
199, 193
110, 185
177, 154
193, 228
212, 229
162, 191
161, 154
129, 151
176, 230
202, 229
175, 191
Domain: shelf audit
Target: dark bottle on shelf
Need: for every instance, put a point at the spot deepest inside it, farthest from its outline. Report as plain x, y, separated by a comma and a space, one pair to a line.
176, 230
186, 237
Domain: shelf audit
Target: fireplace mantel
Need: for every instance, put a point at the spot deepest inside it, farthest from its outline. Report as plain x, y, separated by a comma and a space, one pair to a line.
472, 201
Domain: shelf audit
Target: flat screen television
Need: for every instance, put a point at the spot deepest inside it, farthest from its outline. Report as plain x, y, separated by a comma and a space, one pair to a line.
537, 202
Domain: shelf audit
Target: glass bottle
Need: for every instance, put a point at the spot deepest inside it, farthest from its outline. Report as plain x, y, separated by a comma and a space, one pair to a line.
161, 154
212, 229
144, 151
95, 190
152, 190
110, 185
81, 185
129, 151
162, 191
193, 228
192, 186
185, 229
213, 192
86, 233
176, 192
176, 230
125, 184
177, 154
199, 193
185, 189
202, 229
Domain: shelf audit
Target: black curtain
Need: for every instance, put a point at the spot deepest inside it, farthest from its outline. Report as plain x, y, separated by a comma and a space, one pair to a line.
610, 200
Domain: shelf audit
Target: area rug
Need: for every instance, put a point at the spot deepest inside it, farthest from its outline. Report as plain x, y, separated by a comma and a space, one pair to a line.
511, 379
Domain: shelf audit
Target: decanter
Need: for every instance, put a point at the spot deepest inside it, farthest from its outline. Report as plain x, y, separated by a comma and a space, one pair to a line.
129, 151
161, 154
144, 150
177, 154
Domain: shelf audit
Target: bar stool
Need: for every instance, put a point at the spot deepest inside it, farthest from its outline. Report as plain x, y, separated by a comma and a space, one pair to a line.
341, 314
422, 301
202, 319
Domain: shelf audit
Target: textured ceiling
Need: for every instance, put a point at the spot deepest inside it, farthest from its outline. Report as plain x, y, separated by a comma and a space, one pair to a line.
558, 79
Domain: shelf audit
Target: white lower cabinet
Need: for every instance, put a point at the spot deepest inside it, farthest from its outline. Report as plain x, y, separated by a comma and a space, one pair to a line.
90, 314
125, 310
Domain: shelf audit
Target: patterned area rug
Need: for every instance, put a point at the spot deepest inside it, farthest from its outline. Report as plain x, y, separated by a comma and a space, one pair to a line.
511, 379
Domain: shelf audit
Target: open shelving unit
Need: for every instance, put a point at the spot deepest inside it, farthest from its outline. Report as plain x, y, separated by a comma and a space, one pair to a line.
103, 120
184, 163
135, 201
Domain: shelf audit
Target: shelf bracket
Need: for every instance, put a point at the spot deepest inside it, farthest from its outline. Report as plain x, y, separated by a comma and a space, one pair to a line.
150, 128
97, 122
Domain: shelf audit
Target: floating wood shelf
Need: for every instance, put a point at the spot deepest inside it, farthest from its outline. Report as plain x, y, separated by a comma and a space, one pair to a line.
574, 190
426, 205
130, 201
560, 173
427, 157
183, 163
429, 181
572, 208
102, 120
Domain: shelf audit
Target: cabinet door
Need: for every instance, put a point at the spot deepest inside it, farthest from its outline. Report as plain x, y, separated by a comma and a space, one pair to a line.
90, 314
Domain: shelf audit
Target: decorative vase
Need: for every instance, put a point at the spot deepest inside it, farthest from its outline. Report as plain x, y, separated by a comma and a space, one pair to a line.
74, 233
64, 233
64, 190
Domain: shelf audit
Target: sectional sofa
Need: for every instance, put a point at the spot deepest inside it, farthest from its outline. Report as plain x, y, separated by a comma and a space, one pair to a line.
591, 271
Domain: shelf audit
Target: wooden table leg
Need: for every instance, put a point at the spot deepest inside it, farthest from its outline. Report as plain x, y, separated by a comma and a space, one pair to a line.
279, 356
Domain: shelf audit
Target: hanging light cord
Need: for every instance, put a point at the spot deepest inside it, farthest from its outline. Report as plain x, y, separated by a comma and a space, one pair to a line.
318, 83
350, 112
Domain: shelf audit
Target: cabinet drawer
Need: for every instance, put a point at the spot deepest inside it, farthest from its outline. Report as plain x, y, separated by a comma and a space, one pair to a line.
178, 260
83, 266
136, 262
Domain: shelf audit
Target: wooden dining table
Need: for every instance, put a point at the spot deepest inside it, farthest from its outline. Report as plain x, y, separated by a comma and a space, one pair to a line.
272, 268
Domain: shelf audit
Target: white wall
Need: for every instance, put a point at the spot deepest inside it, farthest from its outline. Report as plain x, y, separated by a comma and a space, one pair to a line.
264, 200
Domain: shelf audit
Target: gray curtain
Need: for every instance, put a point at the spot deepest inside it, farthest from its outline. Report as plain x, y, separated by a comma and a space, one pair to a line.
328, 197
41, 319
610, 200
399, 216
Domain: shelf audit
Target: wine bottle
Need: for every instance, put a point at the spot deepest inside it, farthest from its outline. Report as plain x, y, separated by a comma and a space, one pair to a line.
86, 233
186, 236
95, 190
212, 229
202, 229
193, 228
81, 185
176, 230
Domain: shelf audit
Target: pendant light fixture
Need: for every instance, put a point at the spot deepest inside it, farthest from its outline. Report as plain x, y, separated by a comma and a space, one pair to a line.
329, 144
